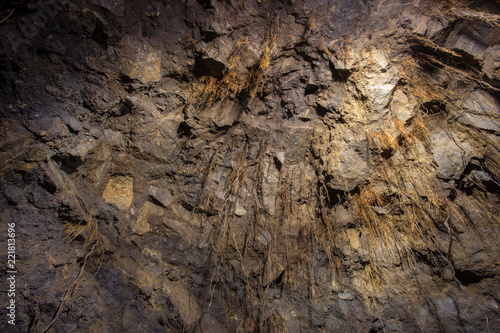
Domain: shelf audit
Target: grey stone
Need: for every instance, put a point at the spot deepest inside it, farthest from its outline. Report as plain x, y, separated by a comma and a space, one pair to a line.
111, 137
402, 106
491, 64
450, 155
209, 324
117, 7
466, 44
279, 159
161, 196
349, 171
131, 100
481, 102
74, 124
47, 128
183, 301
482, 122
482, 111
222, 113
346, 296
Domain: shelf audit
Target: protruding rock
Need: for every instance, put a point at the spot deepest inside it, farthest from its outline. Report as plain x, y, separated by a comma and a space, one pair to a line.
279, 159
209, 324
223, 113
139, 60
119, 191
117, 7
402, 106
183, 301
491, 66
160, 196
348, 171
450, 155
481, 112
141, 225
239, 210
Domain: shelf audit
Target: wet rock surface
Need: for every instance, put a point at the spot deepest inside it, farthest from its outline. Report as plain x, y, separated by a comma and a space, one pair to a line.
251, 166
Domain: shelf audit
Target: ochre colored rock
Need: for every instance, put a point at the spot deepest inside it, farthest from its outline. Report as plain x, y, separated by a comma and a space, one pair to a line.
119, 191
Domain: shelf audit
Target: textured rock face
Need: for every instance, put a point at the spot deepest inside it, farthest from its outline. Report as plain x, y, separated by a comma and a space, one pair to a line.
252, 166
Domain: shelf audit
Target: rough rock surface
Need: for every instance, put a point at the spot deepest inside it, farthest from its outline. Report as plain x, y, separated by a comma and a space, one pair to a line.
251, 166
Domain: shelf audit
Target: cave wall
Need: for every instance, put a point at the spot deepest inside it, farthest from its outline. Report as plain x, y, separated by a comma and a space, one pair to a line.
251, 166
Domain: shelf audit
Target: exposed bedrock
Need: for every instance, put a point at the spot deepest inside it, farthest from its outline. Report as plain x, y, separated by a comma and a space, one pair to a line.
251, 166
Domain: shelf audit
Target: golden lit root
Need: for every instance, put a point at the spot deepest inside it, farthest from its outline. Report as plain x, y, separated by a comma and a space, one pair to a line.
424, 41
373, 275
384, 139
459, 9
87, 230
235, 80
418, 85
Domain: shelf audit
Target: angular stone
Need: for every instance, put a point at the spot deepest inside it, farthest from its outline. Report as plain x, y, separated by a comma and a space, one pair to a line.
112, 137
223, 113
308, 114
183, 301
482, 122
209, 324
117, 7
465, 44
331, 99
353, 236
350, 170
401, 106
480, 101
141, 225
346, 296
120, 192
139, 60
47, 127
83, 147
450, 158
239, 210
481, 108
160, 195
381, 95
279, 159
491, 64
379, 57
377, 87
74, 124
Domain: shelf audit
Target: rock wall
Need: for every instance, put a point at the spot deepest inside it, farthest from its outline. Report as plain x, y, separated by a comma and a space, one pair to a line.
251, 166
